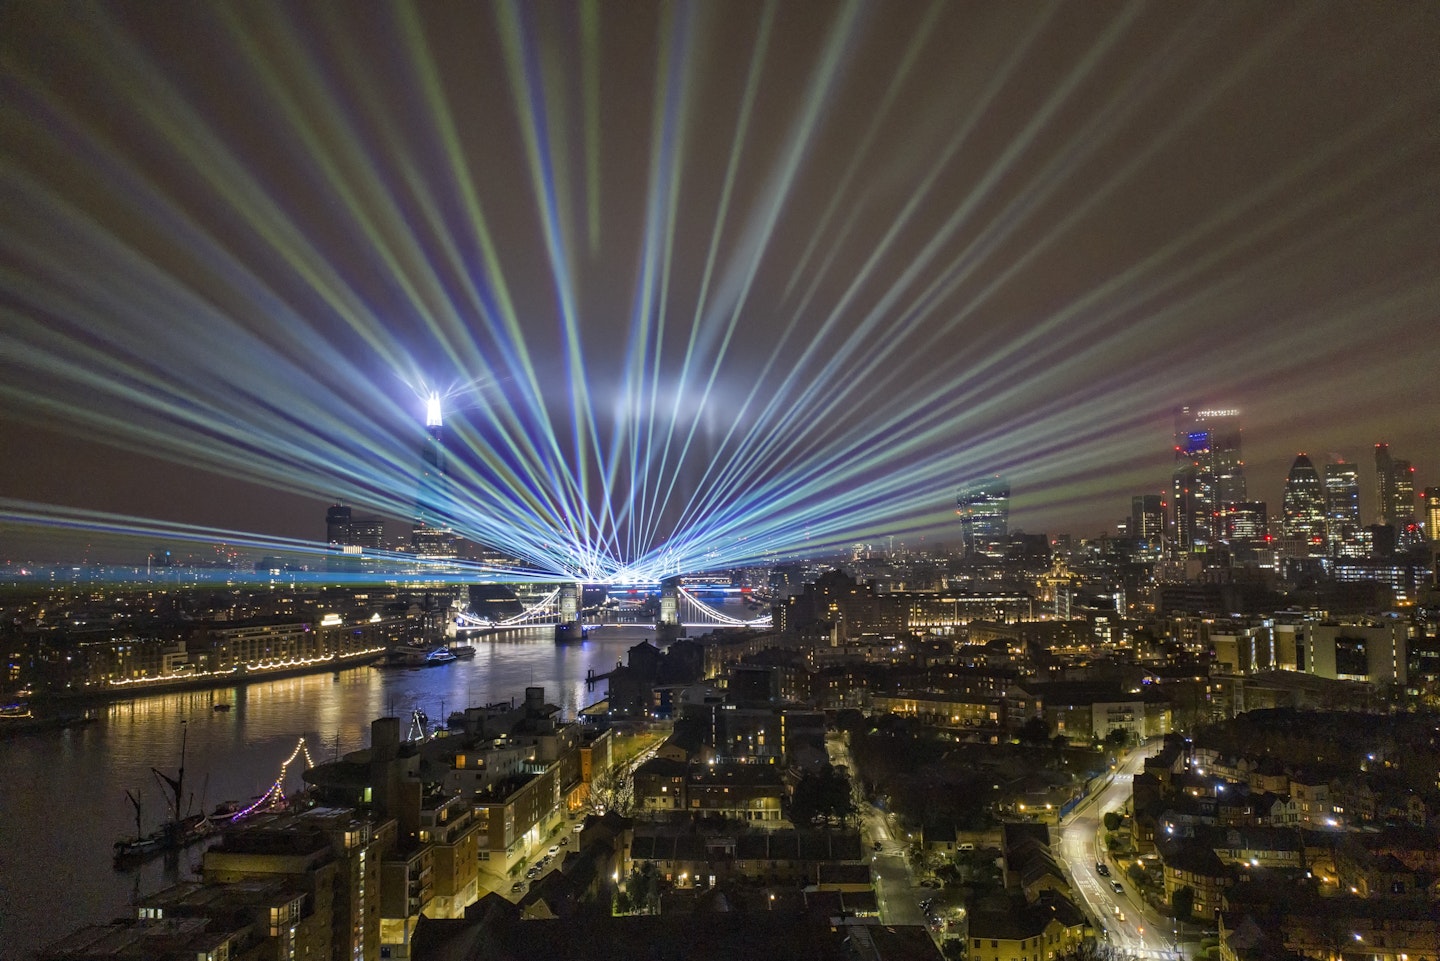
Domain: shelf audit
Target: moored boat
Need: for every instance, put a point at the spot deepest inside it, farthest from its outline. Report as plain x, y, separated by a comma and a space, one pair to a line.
413, 655
176, 833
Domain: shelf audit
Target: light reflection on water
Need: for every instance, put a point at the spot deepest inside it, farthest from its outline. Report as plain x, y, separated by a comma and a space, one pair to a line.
62, 793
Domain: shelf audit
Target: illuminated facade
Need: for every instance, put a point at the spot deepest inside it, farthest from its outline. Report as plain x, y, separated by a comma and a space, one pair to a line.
1432, 512
984, 509
337, 525
1373, 652
1304, 507
1394, 488
1243, 522
351, 537
1209, 471
1147, 518
1342, 508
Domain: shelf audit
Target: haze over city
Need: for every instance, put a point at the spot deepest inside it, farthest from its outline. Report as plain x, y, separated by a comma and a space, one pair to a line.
605, 480
694, 274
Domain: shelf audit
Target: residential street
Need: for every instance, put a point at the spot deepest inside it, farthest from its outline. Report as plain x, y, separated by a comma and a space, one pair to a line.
1081, 847
895, 888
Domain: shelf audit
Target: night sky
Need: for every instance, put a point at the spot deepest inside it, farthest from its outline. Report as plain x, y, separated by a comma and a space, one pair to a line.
701, 272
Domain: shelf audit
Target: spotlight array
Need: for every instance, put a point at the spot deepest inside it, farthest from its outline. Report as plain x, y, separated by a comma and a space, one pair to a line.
719, 287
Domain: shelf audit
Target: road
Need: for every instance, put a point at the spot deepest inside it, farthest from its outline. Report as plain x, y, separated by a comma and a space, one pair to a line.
895, 889
1142, 933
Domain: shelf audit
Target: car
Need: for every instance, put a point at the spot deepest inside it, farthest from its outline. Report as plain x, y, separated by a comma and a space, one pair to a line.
1119, 915
564, 841
517, 887
554, 850
1116, 887
1102, 869
876, 846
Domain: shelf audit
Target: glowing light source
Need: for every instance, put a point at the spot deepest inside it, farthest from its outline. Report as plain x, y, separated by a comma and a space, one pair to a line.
738, 404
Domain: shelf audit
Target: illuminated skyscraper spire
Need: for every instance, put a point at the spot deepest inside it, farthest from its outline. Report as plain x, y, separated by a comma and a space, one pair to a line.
432, 536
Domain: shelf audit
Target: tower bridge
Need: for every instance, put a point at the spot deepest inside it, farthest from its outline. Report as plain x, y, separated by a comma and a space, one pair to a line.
679, 607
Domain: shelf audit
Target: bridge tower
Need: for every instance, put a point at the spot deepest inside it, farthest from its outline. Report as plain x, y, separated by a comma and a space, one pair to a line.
569, 602
569, 627
668, 627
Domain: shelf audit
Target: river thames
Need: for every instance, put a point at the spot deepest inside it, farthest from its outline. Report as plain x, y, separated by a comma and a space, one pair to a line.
62, 793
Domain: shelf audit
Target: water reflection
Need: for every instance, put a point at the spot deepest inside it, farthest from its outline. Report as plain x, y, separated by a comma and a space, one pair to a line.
62, 794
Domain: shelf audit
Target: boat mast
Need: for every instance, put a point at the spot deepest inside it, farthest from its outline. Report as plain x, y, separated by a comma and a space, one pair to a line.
177, 784
135, 802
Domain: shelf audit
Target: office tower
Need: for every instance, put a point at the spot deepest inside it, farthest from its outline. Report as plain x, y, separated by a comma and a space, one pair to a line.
1432, 513
344, 528
1402, 494
1147, 518
337, 525
351, 538
1192, 495
432, 536
1304, 507
367, 532
1209, 471
1342, 508
1243, 523
1226, 462
1400, 513
1384, 483
984, 509
1394, 489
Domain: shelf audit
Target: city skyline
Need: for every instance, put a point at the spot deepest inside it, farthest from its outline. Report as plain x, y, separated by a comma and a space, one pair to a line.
718, 280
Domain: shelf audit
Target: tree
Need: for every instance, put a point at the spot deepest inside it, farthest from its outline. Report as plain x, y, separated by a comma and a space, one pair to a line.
948, 874
1118, 737
643, 889
612, 791
1034, 731
821, 794
1088, 950
851, 721
1182, 902
1113, 820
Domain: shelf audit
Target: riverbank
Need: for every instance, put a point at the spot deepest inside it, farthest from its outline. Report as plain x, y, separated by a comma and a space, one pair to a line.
15, 726
50, 702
